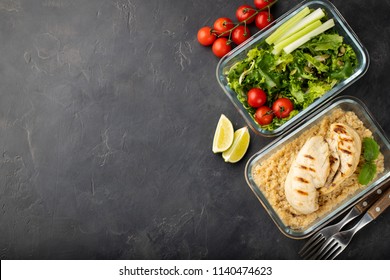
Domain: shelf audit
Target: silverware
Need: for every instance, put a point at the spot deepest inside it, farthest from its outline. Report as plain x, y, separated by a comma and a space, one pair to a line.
339, 241
316, 241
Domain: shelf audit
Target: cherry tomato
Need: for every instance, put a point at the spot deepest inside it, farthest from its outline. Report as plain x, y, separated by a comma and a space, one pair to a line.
222, 25
221, 46
263, 19
240, 34
257, 97
264, 115
205, 37
262, 3
244, 12
282, 107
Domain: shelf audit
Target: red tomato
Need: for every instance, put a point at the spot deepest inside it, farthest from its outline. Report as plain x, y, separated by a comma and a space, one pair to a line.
240, 34
257, 97
282, 107
264, 115
262, 3
221, 46
263, 19
205, 37
244, 12
222, 25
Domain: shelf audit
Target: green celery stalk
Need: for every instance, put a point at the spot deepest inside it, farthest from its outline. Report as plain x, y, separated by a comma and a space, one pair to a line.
287, 25
314, 16
279, 47
299, 42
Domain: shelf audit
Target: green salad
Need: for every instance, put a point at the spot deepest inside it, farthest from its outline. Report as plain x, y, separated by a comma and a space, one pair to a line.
301, 74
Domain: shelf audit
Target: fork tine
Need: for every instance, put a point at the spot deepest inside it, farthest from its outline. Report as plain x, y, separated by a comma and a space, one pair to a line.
324, 248
331, 251
310, 243
336, 253
312, 247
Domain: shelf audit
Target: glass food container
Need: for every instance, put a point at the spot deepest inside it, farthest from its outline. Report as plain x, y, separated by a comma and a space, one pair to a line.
240, 53
346, 104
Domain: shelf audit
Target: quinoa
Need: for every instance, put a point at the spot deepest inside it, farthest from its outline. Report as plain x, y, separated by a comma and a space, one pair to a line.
270, 174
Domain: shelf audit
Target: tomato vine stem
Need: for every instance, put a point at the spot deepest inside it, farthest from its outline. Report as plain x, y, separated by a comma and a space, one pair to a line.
244, 22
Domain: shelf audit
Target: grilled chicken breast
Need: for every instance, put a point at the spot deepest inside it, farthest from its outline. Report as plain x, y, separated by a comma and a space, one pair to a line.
308, 172
345, 142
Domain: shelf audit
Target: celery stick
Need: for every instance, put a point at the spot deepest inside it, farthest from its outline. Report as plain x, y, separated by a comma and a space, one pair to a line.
287, 25
316, 15
322, 28
279, 47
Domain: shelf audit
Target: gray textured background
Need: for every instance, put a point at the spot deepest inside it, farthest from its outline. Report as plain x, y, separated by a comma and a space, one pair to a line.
107, 114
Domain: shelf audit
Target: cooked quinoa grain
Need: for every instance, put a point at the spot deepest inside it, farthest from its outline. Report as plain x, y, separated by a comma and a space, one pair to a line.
270, 174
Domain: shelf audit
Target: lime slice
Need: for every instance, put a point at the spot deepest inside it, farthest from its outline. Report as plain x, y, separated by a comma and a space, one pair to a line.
239, 147
223, 137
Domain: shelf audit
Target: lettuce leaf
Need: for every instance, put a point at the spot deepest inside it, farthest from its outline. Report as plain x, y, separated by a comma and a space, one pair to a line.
324, 42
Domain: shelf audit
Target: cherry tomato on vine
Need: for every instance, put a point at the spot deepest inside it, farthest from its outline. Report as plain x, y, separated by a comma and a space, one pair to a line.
244, 12
263, 19
222, 25
262, 3
282, 107
257, 97
264, 115
205, 37
221, 46
240, 34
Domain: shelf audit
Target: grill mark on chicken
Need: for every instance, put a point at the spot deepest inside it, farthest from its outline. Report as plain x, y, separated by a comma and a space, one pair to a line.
339, 129
346, 151
303, 180
309, 157
346, 139
302, 192
307, 168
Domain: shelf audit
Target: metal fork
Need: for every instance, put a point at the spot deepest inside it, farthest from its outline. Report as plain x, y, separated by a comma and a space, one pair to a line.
339, 241
323, 235
316, 241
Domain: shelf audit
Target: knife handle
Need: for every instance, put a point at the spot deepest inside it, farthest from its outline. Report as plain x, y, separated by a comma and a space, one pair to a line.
380, 206
363, 205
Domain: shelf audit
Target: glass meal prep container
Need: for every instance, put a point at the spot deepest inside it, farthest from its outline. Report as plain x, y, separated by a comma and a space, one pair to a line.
240, 53
347, 104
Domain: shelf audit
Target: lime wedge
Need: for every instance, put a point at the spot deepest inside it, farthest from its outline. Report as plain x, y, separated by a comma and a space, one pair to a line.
239, 147
223, 137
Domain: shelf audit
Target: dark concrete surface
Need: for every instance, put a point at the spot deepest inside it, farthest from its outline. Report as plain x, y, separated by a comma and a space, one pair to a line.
107, 114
